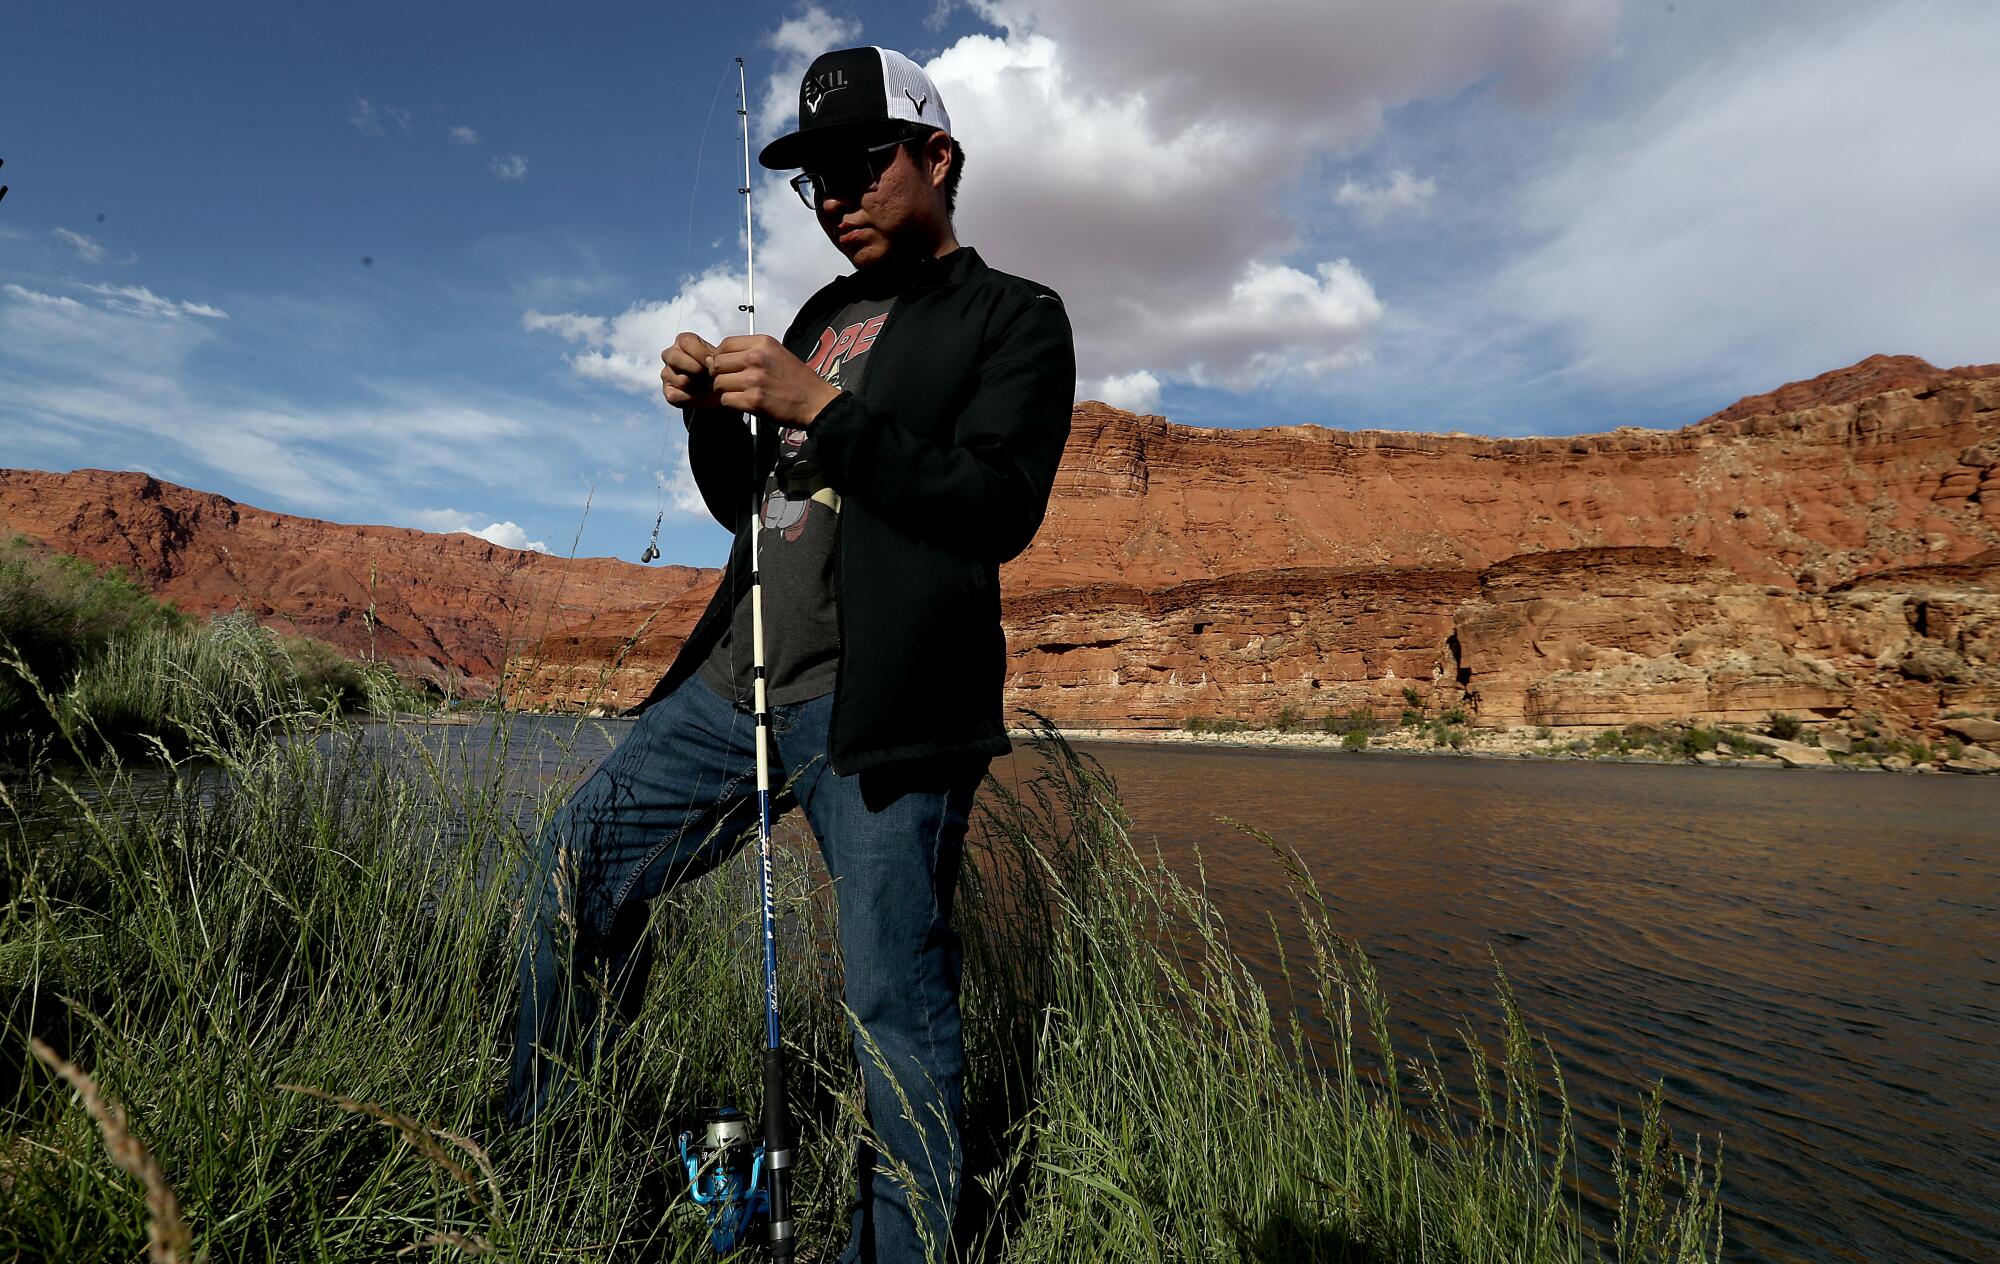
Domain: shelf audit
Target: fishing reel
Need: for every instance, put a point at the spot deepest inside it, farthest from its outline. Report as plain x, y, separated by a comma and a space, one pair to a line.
725, 1171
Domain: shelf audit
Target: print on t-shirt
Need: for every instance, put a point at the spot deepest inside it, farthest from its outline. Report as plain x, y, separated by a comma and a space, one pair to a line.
797, 516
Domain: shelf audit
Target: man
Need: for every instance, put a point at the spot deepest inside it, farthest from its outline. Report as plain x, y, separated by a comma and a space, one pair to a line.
912, 421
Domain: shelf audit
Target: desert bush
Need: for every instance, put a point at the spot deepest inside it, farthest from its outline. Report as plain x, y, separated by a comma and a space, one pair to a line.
1355, 739
1353, 720
1786, 728
1696, 740
56, 614
1213, 724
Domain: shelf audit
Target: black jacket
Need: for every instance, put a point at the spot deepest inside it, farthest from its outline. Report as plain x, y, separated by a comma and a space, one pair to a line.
943, 463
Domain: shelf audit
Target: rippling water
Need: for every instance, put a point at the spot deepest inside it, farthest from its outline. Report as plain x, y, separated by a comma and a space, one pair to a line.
1810, 962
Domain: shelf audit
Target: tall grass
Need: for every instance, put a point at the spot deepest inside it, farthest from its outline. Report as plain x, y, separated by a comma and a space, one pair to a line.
56, 614
294, 971
89, 660
211, 684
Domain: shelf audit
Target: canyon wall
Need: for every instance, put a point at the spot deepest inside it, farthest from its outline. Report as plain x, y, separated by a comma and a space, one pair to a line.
1846, 478
1830, 547
451, 608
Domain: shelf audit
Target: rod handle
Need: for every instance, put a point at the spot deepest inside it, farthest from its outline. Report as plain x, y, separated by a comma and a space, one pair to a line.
778, 1154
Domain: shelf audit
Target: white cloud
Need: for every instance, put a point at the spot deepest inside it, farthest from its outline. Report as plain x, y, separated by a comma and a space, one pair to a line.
137, 300
442, 521
1318, 73
1374, 203
88, 249
570, 325
1165, 241
509, 536
680, 489
373, 119
366, 119
1135, 392
1140, 162
510, 166
1798, 201
58, 301
455, 522
463, 135
797, 41
624, 350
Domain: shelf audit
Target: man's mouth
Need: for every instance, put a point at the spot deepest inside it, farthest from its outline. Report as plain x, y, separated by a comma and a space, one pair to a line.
850, 235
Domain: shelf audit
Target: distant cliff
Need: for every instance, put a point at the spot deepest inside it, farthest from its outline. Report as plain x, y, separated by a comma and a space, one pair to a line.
1832, 546
446, 606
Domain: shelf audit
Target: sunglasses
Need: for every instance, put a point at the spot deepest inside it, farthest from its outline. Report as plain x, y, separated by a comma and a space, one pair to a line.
850, 173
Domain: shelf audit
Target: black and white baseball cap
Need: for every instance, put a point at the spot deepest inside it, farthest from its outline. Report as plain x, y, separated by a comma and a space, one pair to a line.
857, 91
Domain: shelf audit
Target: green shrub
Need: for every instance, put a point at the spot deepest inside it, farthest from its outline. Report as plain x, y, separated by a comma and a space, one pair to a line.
1785, 728
1696, 740
58, 613
1356, 739
1607, 742
1413, 696
1455, 714
1213, 724
1354, 720
1412, 719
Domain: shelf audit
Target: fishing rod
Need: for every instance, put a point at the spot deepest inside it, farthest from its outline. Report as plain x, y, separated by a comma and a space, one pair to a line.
739, 1183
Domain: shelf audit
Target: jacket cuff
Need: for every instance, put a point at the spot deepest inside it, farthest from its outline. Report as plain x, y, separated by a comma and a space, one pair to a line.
837, 428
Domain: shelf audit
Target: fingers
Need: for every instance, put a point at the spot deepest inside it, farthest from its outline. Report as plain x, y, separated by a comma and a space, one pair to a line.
695, 345
684, 376
739, 352
687, 354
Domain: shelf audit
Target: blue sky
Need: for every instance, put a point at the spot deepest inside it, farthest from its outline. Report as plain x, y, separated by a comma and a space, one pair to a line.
412, 264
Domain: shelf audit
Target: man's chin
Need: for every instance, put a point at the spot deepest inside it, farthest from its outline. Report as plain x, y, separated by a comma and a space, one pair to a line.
867, 253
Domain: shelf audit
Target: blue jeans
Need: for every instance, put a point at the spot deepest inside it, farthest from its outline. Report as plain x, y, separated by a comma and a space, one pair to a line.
677, 798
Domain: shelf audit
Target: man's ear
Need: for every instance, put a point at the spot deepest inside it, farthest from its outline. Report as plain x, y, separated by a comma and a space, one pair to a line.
940, 151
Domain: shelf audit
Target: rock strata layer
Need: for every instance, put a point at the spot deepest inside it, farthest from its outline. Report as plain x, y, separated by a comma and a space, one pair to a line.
1830, 548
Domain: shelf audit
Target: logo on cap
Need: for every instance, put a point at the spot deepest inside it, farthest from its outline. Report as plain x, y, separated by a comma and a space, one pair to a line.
918, 101
814, 91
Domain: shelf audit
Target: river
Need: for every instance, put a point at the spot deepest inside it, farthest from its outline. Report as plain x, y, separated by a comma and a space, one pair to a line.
1810, 961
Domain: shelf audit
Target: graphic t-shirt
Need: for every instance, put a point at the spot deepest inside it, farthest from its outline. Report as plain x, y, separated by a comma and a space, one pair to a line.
798, 517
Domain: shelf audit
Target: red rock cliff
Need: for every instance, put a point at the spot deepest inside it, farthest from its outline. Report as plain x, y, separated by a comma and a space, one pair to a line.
1824, 547
1891, 462
447, 606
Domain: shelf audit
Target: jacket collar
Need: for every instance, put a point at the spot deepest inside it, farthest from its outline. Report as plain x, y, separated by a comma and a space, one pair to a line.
924, 274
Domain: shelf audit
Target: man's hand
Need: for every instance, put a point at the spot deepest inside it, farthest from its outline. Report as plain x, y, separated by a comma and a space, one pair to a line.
685, 380
755, 374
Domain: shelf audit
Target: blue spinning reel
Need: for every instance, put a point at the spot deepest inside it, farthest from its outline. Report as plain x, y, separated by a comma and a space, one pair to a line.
726, 1176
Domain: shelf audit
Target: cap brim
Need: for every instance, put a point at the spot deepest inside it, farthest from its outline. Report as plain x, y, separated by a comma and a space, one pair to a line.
795, 149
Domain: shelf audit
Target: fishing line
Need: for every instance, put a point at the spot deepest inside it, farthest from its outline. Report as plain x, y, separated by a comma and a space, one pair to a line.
680, 300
